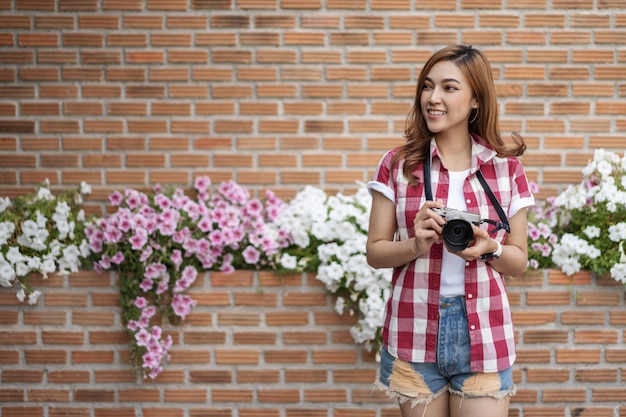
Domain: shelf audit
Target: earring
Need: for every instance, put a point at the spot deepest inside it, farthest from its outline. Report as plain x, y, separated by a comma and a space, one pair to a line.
475, 117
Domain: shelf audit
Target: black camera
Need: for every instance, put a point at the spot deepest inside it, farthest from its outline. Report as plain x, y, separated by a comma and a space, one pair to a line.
457, 233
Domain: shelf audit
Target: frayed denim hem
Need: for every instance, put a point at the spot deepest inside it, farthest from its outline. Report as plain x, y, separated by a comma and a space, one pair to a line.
497, 395
402, 399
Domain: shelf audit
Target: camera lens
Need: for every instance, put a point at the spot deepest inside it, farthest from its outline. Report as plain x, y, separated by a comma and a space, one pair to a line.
457, 234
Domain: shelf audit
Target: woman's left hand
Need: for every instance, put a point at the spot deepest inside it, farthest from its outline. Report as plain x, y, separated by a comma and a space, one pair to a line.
483, 243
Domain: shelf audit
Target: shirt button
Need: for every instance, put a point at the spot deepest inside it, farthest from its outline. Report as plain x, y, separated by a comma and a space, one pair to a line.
468, 201
469, 295
472, 327
467, 263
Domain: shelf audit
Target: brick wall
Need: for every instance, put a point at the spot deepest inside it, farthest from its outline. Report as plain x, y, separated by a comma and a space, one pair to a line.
262, 345
284, 93
280, 94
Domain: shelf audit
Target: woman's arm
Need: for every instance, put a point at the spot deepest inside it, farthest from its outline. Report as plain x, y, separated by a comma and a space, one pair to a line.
382, 250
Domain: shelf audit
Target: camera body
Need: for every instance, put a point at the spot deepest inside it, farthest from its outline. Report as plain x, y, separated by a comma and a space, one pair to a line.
457, 233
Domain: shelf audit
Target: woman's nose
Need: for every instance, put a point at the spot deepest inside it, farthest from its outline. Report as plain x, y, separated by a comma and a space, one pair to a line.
435, 95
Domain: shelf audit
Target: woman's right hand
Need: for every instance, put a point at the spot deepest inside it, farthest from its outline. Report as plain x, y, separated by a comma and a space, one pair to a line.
427, 226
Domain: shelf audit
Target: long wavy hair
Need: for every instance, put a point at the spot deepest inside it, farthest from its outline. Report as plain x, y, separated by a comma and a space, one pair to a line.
483, 120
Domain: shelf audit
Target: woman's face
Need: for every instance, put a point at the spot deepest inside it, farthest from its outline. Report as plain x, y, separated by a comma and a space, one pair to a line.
447, 99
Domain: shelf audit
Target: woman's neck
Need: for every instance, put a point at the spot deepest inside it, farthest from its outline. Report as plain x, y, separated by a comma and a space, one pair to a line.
455, 152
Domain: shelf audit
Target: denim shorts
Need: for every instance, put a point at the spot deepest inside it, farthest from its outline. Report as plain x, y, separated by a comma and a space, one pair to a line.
420, 383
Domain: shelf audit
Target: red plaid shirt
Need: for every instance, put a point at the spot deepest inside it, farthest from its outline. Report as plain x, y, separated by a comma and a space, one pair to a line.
412, 311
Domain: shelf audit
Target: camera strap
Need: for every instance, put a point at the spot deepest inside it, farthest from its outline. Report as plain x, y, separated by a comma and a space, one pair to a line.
502, 224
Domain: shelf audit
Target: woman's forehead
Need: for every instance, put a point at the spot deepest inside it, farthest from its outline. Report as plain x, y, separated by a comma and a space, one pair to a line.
446, 71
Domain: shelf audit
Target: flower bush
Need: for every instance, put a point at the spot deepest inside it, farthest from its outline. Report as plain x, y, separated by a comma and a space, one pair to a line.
41, 233
329, 235
590, 219
159, 242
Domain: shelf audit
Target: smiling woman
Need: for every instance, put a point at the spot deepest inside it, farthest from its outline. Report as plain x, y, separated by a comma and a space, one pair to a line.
448, 338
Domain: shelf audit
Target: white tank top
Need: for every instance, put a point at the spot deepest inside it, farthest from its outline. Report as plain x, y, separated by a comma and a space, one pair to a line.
453, 266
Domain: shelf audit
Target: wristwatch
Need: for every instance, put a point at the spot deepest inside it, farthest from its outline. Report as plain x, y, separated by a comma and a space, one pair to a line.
493, 255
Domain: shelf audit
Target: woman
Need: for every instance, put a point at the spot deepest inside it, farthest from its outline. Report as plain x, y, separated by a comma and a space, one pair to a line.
448, 335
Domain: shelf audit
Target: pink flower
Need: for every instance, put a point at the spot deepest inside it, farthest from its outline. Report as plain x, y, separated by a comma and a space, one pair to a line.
112, 235
143, 322
251, 255
132, 199
156, 332
192, 209
187, 278
142, 337
203, 196
105, 262
139, 239
162, 201
167, 228
181, 235
125, 224
181, 304
151, 361
132, 325
268, 245
533, 232
116, 198
216, 237
148, 312
203, 245
140, 302
95, 245
254, 208
145, 254
202, 183
118, 258
176, 258
191, 245
205, 224
534, 188
146, 284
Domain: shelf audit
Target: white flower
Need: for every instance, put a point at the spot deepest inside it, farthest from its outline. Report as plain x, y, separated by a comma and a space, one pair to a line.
617, 232
592, 231
7, 275
33, 297
288, 261
5, 203
85, 188
44, 194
